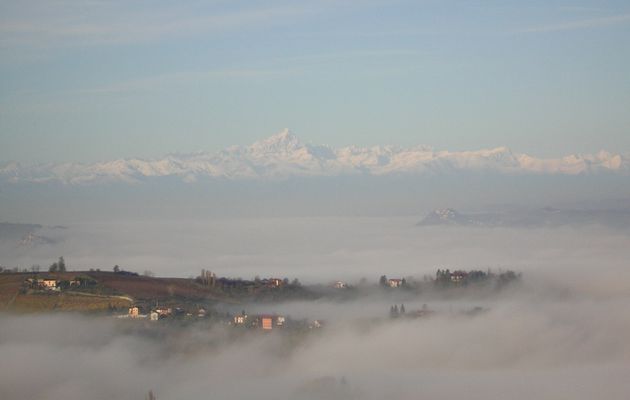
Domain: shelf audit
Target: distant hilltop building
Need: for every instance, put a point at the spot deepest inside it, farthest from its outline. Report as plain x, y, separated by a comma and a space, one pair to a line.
134, 312
394, 282
273, 282
458, 276
340, 285
266, 322
44, 283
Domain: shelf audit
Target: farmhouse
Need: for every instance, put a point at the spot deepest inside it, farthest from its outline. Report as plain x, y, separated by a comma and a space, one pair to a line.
315, 324
340, 285
275, 282
458, 276
48, 283
394, 283
164, 312
134, 312
44, 283
266, 322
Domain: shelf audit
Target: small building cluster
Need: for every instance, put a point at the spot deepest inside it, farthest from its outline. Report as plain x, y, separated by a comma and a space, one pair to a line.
269, 322
265, 322
51, 283
447, 277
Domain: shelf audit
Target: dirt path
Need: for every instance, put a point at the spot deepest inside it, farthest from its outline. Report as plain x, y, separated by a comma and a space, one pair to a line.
102, 296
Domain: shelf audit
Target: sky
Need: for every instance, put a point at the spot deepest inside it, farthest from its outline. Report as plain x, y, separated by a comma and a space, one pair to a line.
95, 80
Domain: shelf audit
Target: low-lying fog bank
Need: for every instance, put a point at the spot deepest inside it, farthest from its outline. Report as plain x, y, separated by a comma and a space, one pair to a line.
526, 345
319, 249
561, 333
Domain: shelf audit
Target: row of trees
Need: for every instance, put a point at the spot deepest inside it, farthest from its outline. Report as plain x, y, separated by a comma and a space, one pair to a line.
59, 266
394, 311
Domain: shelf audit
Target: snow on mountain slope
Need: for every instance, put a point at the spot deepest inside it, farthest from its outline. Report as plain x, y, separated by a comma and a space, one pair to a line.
283, 155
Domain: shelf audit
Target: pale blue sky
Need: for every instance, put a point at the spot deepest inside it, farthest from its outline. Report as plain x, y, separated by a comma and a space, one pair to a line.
97, 80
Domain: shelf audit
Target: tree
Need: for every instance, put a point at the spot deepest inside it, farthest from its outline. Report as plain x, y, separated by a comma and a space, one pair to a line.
61, 264
116, 269
393, 311
54, 267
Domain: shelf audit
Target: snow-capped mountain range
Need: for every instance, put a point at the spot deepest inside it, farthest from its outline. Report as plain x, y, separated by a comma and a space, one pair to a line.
283, 155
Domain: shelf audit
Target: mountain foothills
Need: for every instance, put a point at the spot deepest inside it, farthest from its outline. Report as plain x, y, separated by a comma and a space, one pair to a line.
283, 155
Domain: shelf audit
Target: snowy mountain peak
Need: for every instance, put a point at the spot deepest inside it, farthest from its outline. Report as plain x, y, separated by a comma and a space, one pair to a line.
284, 141
283, 155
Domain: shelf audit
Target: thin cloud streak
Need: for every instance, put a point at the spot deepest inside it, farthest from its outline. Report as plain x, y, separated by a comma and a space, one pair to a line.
108, 28
279, 67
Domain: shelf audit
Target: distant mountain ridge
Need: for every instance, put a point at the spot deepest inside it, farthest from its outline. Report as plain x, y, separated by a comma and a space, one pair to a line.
283, 155
529, 218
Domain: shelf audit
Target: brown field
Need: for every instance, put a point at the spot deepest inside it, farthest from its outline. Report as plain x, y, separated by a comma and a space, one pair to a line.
112, 291
148, 288
9, 288
67, 302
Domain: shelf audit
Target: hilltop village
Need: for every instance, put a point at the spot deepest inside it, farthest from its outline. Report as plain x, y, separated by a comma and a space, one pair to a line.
129, 295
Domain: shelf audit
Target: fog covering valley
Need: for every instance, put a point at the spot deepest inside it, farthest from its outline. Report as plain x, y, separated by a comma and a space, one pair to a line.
318, 249
562, 340
561, 332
